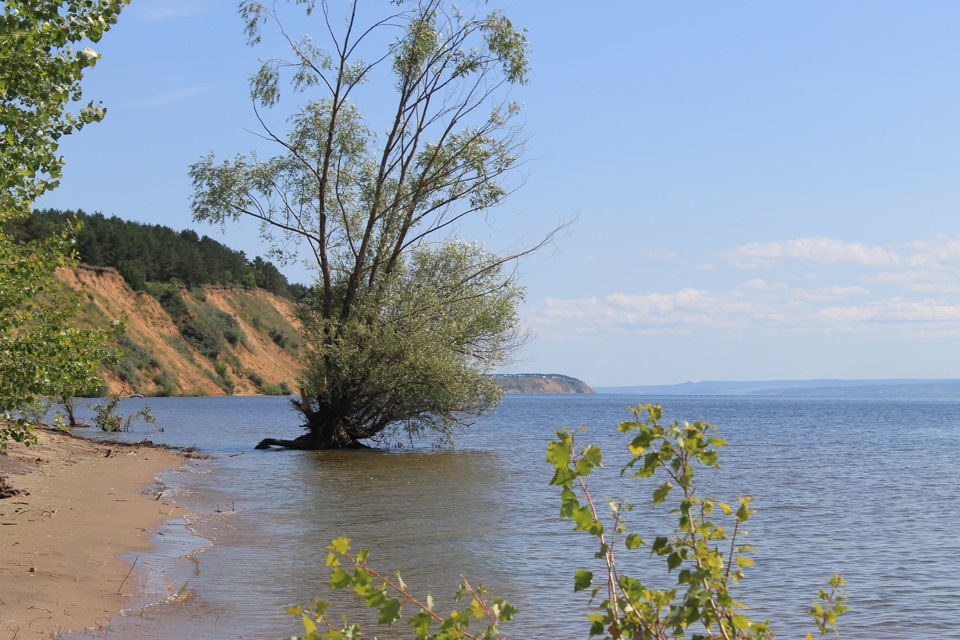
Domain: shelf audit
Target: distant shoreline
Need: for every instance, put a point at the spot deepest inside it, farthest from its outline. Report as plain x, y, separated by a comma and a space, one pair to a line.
921, 388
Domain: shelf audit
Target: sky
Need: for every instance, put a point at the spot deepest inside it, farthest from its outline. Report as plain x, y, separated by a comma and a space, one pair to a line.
761, 190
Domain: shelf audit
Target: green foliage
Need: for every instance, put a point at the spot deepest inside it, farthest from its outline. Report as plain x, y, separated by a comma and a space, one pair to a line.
389, 595
35, 412
42, 353
144, 253
108, 419
371, 209
172, 302
704, 552
271, 389
416, 359
132, 273
40, 74
279, 337
207, 329
133, 359
166, 386
227, 326
202, 337
829, 607
223, 378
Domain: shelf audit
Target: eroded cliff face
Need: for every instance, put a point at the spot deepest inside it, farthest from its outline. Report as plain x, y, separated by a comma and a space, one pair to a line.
160, 358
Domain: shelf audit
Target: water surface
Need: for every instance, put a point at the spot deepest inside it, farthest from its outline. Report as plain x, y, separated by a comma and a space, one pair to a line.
864, 487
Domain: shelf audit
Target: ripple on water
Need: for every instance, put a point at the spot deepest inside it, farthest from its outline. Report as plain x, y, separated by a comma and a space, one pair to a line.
863, 487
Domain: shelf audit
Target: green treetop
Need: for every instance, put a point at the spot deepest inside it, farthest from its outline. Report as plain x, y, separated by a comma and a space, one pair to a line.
405, 322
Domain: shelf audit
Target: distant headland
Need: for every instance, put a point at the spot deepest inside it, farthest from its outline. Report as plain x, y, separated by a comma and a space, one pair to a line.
540, 383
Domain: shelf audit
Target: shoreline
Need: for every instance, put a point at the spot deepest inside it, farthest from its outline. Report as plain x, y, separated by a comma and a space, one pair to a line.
77, 507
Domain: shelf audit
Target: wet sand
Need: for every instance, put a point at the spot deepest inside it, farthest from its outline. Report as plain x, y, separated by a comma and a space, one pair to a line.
77, 506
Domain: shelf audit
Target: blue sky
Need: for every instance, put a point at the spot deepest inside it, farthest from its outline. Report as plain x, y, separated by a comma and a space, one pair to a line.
762, 190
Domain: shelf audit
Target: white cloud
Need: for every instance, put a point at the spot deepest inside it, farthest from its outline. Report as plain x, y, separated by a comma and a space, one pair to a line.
929, 281
816, 250
754, 306
939, 252
836, 291
896, 292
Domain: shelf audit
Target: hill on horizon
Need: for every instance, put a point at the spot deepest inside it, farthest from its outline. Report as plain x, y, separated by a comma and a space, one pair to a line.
540, 383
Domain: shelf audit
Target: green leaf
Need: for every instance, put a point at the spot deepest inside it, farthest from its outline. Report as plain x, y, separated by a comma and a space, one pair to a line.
582, 580
593, 455
634, 541
390, 611
339, 578
340, 545
661, 493
559, 450
506, 610
661, 545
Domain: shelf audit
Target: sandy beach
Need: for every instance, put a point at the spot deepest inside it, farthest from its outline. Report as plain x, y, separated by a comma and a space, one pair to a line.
72, 507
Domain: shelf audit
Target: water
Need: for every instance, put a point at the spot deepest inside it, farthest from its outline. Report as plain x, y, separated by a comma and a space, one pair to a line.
864, 487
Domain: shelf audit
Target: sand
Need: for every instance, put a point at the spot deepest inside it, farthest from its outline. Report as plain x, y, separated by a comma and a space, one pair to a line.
81, 505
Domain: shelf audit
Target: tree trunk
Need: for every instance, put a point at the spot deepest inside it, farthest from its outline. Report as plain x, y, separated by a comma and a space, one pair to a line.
311, 442
323, 432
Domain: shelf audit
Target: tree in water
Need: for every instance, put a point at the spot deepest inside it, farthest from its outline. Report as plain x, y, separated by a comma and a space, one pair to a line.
404, 322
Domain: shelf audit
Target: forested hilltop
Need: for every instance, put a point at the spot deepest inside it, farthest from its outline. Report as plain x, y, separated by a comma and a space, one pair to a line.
143, 253
198, 317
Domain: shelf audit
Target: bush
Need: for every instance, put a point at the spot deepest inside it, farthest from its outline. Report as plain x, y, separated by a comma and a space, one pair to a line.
172, 302
271, 389
279, 337
166, 386
108, 419
199, 336
228, 327
133, 359
223, 378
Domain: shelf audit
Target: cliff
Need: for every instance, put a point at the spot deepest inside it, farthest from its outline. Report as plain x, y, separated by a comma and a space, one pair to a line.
203, 341
540, 383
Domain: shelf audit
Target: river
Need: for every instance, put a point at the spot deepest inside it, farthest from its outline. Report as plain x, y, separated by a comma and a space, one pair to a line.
863, 487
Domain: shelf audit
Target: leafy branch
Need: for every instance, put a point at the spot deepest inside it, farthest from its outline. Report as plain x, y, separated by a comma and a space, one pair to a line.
389, 595
709, 562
